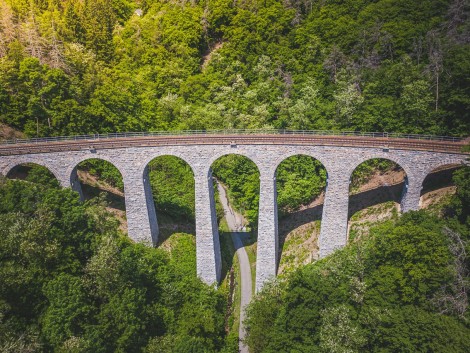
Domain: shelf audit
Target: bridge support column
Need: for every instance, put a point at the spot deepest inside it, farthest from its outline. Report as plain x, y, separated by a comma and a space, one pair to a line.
142, 223
75, 184
71, 181
411, 194
334, 223
208, 256
267, 248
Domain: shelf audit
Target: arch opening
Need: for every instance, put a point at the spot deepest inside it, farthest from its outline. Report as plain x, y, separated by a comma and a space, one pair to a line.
376, 189
171, 182
438, 187
102, 181
34, 173
236, 180
301, 184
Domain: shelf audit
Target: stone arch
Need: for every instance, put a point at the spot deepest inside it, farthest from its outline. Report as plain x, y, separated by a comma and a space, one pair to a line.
144, 172
281, 158
14, 167
115, 198
306, 219
391, 188
457, 160
72, 169
244, 155
437, 183
239, 152
144, 162
402, 163
242, 236
21, 160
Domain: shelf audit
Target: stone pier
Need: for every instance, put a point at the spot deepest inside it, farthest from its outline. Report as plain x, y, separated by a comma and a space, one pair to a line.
208, 258
268, 242
334, 223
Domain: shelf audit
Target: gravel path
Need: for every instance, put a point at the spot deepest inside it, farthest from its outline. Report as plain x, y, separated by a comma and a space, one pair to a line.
235, 223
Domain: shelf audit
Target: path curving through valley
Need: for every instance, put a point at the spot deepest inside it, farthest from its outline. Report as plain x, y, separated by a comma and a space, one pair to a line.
235, 224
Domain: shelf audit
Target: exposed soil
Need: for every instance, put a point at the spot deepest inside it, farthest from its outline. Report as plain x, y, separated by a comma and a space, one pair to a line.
208, 55
167, 227
93, 187
389, 178
436, 196
19, 172
89, 179
9, 133
300, 247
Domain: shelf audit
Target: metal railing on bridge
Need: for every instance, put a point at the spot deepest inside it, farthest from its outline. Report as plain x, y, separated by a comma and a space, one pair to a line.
118, 135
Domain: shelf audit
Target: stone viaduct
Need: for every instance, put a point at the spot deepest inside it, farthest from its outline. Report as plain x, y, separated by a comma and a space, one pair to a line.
339, 155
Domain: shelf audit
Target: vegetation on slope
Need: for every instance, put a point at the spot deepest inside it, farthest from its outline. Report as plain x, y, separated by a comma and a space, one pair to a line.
72, 283
403, 288
72, 67
100, 66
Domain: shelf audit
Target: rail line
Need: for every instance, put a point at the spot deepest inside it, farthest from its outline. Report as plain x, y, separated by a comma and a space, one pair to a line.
95, 143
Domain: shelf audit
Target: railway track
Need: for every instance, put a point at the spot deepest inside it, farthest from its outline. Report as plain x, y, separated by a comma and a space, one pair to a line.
235, 139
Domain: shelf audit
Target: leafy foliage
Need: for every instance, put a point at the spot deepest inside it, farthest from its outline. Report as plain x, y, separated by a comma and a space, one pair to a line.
374, 295
172, 182
73, 67
299, 180
461, 201
242, 177
71, 282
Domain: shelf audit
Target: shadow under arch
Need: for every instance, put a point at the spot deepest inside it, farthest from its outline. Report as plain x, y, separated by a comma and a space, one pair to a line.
94, 177
376, 181
301, 183
437, 184
172, 188
33, 172
236, 178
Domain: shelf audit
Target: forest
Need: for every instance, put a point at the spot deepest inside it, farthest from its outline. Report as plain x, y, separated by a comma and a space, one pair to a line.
71, 279
76, 66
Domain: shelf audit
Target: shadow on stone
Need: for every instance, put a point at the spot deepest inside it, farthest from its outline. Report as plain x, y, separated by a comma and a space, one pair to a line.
19, 172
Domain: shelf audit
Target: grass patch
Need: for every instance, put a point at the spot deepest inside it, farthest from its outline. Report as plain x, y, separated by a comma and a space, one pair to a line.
251, 248
230, 280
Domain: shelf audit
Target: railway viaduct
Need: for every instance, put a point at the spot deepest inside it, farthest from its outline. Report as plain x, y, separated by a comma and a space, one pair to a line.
340, 155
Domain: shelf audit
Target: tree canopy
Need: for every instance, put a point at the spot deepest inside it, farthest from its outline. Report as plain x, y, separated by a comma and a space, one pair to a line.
70, 67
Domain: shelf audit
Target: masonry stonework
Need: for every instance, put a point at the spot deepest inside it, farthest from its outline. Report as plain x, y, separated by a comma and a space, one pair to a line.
267, 247
339, 162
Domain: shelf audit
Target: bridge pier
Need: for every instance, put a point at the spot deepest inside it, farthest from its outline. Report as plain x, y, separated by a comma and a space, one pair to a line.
334, 222
208, 257
268, 243
73, 182
142, 225
411, 194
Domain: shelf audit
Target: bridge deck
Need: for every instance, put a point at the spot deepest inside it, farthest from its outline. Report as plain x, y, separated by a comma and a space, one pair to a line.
229, 139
